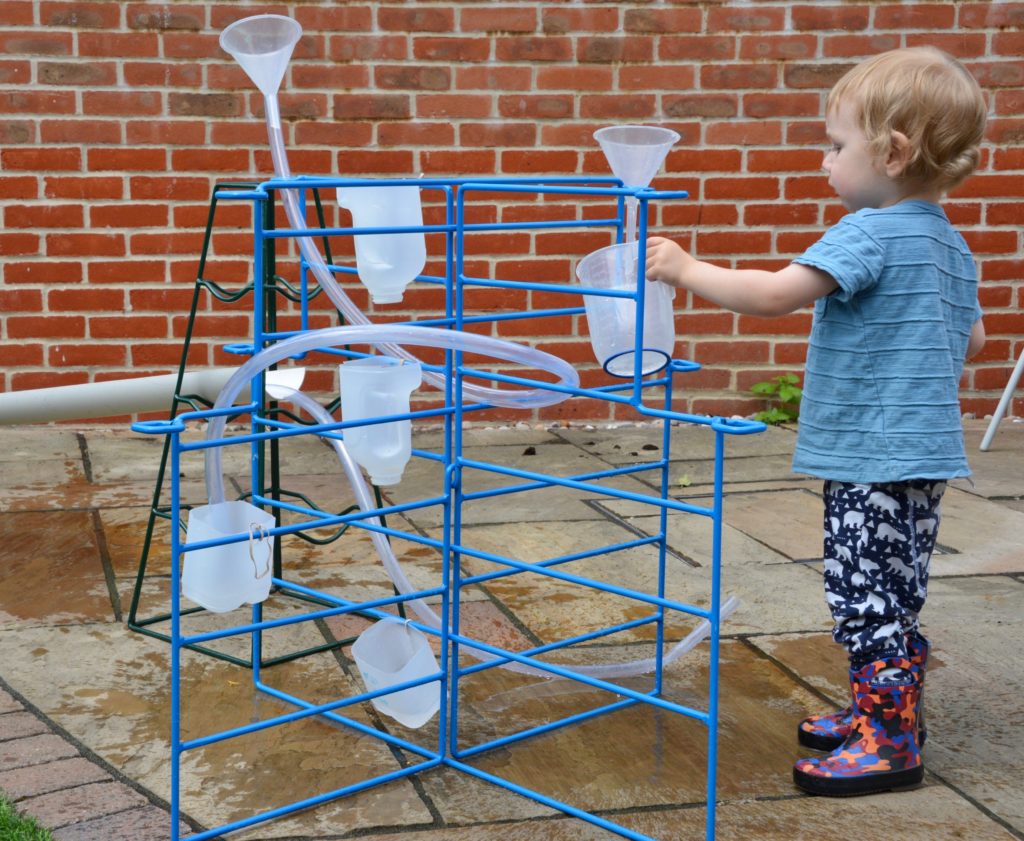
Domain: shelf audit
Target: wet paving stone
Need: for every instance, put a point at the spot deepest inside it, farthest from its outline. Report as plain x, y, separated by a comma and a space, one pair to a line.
71, 528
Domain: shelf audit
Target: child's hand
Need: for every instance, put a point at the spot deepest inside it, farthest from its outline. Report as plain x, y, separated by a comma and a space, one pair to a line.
667, 262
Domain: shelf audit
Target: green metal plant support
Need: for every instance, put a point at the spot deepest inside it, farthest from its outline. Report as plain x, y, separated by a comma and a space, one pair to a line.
269, 462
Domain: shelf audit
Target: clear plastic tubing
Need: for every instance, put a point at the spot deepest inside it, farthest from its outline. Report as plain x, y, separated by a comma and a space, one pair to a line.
526, 399
424, 337
382, 335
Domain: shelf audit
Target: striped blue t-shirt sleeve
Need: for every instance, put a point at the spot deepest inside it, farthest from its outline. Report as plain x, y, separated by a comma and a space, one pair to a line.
850, 254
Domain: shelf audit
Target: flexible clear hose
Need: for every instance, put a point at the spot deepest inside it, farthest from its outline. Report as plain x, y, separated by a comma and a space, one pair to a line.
377, 334
426, 337
528, 398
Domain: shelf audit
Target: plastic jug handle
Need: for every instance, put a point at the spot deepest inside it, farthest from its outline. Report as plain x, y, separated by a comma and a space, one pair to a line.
258, 534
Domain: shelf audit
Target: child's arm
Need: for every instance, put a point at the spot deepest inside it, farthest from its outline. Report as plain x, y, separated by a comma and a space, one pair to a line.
977, 340
748, 291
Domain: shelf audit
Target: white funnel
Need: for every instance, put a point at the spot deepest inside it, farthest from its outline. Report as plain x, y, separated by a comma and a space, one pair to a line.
635, 153
263, 45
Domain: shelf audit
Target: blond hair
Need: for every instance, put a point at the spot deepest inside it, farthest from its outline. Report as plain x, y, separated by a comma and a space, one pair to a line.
926, 95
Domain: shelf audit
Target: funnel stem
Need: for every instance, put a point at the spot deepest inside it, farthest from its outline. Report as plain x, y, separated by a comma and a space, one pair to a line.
272, 110
632, 205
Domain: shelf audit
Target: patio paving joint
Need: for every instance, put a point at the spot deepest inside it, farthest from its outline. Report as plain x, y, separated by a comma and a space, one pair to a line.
83, 448
115, 775
988, 813
748, 641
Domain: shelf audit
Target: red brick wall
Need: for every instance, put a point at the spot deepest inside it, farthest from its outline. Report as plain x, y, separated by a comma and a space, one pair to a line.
117, 117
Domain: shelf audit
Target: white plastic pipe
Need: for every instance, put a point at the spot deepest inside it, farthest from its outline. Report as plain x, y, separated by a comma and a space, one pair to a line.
1004, 403
115, 397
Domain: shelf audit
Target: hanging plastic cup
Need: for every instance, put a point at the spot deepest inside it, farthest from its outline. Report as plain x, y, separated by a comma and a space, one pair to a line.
376, 387
386, 263
221, 578
612, 322
391, 652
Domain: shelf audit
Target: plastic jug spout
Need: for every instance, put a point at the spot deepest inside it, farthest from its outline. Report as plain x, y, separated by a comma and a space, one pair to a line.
262, 45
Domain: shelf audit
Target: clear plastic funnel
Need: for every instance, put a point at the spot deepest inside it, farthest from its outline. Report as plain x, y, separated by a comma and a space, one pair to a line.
262, 45
635, 153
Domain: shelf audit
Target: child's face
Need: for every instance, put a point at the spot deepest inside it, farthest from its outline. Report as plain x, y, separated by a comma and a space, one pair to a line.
857, 176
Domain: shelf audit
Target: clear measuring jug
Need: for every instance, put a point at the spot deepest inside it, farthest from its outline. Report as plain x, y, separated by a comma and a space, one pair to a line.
612, 322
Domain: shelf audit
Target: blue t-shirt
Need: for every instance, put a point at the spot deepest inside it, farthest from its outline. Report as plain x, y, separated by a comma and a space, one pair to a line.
887, 348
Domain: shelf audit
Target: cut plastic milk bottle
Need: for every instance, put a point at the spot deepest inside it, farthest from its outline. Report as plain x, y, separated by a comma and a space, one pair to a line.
221, 578
376, 387
386, 262
390, 652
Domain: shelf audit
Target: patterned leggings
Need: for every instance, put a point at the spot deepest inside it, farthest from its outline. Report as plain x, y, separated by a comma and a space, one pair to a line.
878, 543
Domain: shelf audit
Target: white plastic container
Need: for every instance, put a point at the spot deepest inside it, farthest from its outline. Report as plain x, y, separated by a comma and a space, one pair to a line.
221, 578
391, 652
386, 263
612, 321
375, 387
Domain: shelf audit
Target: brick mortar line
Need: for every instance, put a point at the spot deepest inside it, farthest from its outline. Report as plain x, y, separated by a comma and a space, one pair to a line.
86, 753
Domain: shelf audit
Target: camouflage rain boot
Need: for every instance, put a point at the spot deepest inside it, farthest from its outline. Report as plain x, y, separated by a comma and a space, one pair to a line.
881, 753
829, 731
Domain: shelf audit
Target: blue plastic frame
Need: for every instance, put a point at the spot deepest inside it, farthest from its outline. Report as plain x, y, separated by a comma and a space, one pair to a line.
457, 195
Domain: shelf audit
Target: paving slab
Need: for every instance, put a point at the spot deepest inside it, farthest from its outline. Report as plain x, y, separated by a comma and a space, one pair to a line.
52, 572
983, 536
18, 725
996, 471
32, 780
87, 492
425, 479
932, 813
150, 822
113, 690
619, 445
81, 803
752, 458
970, 622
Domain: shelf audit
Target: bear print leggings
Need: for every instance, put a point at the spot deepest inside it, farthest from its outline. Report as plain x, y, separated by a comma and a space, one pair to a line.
878, 543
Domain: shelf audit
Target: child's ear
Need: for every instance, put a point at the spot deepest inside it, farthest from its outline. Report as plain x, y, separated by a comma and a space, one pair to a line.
900, 155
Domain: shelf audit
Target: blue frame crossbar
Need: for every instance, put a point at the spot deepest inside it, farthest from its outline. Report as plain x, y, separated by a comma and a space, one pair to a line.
460, 196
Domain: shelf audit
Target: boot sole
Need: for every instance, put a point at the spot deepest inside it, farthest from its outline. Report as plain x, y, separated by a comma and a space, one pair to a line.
858, 785
814, 741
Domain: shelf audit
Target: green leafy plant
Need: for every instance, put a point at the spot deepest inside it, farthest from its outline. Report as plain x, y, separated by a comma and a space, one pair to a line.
783, 395
17, 827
